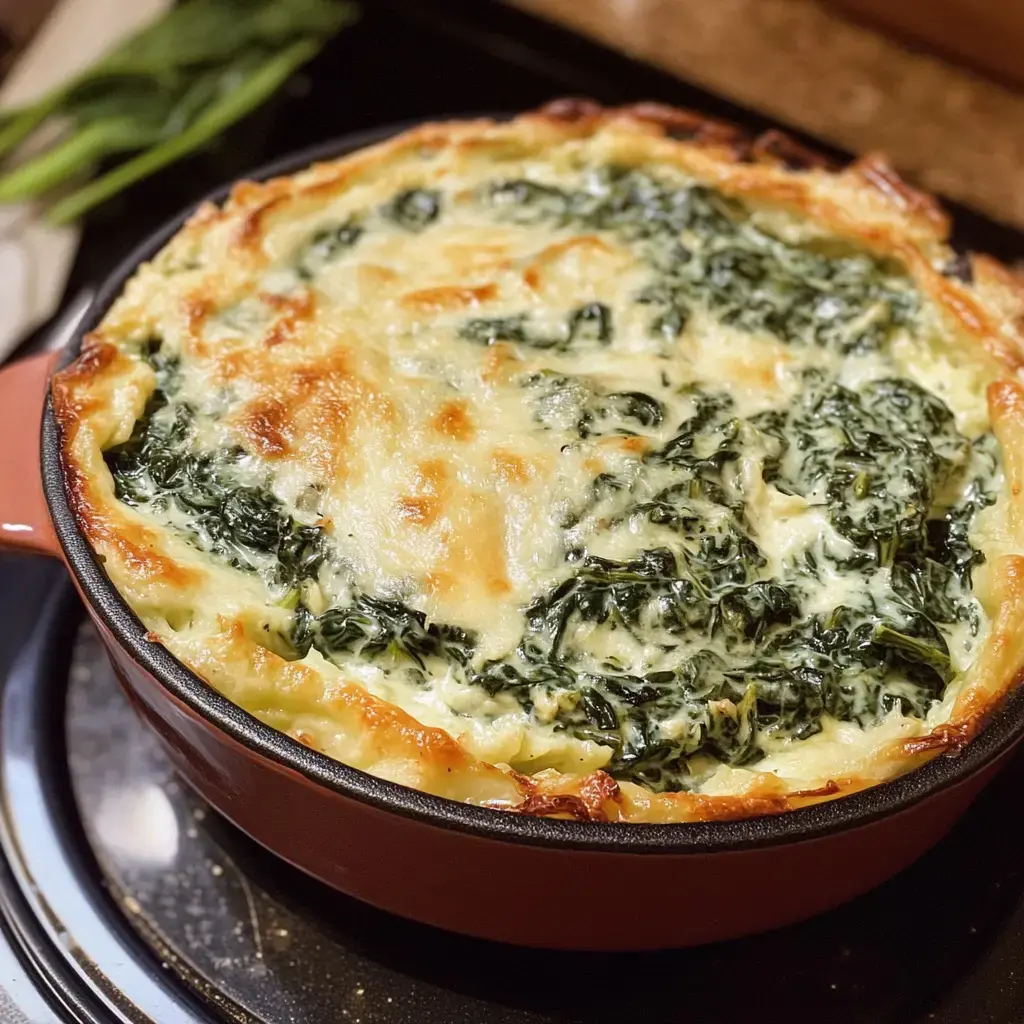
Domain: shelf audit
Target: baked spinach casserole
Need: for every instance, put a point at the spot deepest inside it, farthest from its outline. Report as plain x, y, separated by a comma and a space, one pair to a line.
597, 463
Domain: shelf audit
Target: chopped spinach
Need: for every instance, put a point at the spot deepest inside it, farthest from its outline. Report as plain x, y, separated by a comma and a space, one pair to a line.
325, 245
160, 468
414, 209
706, 253
373, 628
490, 330
571, 402
585, 327
592, 322
612, 411
878, 456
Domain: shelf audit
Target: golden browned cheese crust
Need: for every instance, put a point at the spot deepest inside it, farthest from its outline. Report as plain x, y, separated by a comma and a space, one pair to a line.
329, 379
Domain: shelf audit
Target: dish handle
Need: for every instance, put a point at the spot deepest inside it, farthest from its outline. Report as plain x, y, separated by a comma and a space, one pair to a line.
24, 517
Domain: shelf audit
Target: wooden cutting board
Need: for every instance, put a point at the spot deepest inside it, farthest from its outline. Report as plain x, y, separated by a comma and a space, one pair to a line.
988, 35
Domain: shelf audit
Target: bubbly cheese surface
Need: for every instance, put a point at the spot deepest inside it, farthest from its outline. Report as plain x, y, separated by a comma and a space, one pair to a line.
562, 447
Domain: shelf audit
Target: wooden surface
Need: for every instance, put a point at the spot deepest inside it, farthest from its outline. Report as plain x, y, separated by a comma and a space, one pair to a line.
947, 127
987, 35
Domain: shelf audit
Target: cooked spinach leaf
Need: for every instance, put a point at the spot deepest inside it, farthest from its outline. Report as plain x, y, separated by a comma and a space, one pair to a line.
325, 245
372, 628
705, 252
488, 330
563, 402
878, 456
585, 327
592, 322
160, 468
414, 209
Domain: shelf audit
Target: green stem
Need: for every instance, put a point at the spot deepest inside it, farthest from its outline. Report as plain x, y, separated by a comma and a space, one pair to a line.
249, 94
42, 173
24, 121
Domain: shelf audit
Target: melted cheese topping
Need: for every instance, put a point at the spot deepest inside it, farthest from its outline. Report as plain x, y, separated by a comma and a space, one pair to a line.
468, 368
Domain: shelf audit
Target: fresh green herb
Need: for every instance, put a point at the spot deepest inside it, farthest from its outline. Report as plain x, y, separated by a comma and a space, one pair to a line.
164, 93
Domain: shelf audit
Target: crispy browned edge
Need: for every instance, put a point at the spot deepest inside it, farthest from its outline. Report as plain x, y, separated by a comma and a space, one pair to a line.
597, 797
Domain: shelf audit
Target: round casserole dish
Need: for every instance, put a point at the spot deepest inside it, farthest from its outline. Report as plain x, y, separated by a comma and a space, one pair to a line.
334, 820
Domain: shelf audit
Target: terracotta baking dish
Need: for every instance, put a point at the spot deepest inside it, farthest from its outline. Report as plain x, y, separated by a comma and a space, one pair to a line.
488, 873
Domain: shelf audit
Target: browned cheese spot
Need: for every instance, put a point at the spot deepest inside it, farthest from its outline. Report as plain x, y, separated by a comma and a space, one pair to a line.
453, 420
498, 362
473, 542
533, 272
511, 468
448, 297
294, 311
308, 411
425, 506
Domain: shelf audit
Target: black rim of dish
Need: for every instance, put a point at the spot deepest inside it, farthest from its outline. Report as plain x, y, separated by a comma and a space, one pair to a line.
806, 823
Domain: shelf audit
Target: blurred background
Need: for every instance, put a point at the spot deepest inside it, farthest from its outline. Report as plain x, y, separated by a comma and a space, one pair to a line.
938, 84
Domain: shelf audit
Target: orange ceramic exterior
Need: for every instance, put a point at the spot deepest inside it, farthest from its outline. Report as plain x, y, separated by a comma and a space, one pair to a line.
24, 519
519, 892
